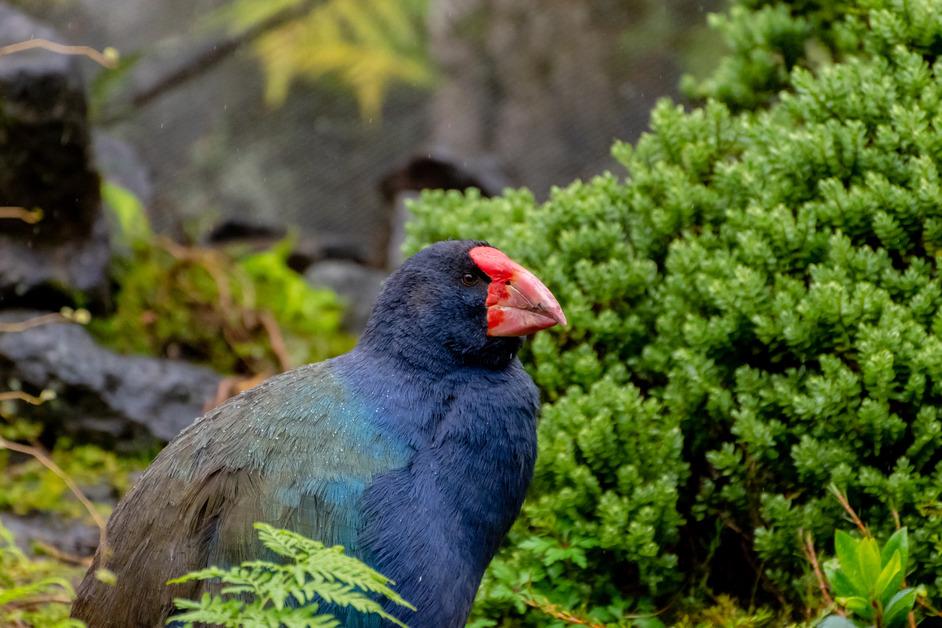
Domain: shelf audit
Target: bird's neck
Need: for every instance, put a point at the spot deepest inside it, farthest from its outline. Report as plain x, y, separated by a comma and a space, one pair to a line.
404, 352
432, 354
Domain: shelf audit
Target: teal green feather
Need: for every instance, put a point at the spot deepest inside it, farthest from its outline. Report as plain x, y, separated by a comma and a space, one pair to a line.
296, 452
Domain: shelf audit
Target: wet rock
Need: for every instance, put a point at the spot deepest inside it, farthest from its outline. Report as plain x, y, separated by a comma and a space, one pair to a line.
46, 163
127, 401
233, 230
357, 285
69, 536
119, 162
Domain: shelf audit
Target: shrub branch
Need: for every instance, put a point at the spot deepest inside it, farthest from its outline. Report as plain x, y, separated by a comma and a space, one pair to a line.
43, 459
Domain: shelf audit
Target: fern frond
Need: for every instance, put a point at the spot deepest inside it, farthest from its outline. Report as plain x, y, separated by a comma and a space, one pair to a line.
263, 593
33, 591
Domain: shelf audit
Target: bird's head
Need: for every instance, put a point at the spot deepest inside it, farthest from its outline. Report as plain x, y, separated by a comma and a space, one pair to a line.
463, 301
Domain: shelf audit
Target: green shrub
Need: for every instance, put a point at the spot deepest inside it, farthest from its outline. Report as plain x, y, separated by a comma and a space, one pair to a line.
754, 315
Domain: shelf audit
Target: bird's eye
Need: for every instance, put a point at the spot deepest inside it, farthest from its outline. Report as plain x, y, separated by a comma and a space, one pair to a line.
469, 280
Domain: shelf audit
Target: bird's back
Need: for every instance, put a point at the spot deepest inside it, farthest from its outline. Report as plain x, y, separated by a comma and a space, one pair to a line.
294, 452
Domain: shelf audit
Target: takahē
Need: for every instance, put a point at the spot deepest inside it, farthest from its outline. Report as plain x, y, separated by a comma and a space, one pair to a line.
413, 451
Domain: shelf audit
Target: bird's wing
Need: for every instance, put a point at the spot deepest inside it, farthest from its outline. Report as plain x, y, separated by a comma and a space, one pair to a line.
295, 452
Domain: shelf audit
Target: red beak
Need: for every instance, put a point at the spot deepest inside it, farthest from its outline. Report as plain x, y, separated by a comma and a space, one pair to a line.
517, 303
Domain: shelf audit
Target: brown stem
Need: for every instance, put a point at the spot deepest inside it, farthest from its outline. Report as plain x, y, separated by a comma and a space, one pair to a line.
64, 557
19, 395
30, 323
277, 340
38, 600
80, 316
29, 216
812, 557
108, 58
928, 607
554, 611
842, 499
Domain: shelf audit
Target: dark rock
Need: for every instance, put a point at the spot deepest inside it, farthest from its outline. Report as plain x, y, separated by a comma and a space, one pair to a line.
441, 172
357, 285
70, 536
231, 230
28, 266
119, 162
438, 171
46, 163
100, 394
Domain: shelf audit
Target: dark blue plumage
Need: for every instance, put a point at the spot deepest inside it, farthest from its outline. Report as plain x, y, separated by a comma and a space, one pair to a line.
414, 451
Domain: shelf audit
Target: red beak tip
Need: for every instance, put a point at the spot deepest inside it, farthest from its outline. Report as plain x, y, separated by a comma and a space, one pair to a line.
518, 303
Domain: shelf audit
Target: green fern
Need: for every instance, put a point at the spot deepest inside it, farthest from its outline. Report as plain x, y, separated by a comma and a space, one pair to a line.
33, 592
367, 44
262, 593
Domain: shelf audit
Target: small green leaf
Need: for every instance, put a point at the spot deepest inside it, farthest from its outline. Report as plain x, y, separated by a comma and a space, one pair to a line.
868, 557
840, 585
106, 576
846, 547
894, 613
898, 542
133, 226
857, 605
888, 582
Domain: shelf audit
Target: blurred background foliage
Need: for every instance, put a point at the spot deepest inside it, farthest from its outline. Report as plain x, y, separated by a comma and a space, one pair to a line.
367, 45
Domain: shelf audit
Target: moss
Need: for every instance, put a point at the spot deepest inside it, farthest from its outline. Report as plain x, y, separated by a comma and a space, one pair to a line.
246, 314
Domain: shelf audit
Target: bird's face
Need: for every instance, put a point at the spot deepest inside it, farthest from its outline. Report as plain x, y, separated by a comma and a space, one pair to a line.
467, 297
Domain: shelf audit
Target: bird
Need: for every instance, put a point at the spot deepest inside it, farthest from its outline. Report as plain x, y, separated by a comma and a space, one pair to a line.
414, 451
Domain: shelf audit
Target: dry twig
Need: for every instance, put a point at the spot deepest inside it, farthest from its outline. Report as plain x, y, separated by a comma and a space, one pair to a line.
928, 607
107, 58
63, 557
38, 601
842, 500
812, 557
557, 613
19, 395
232, 386
29, 216
277, 340
65, 315
49, 463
